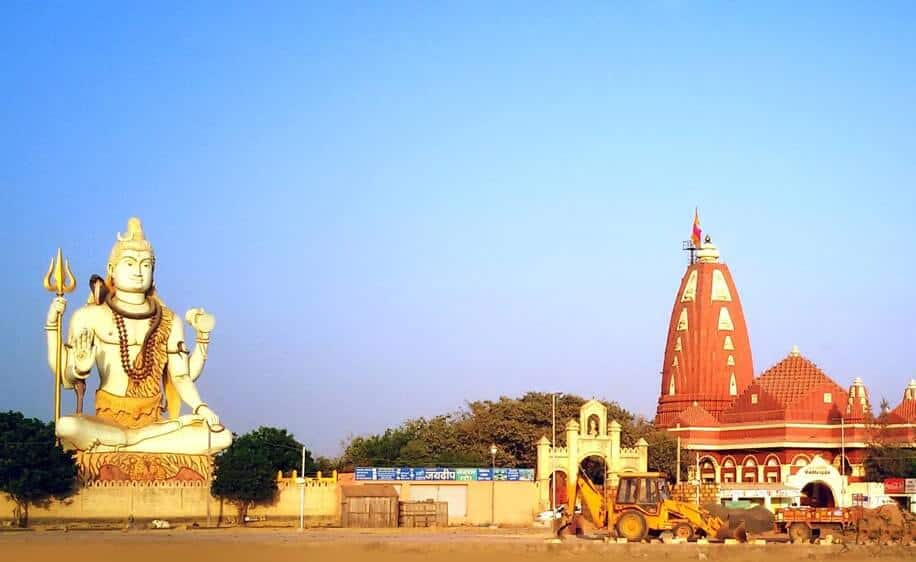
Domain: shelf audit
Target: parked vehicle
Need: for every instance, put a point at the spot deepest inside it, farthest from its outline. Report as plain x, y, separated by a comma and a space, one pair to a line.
643, 505
805, 523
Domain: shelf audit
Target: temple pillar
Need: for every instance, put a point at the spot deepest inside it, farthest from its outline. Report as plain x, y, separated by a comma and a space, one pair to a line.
613, 457
545, 464
643, 446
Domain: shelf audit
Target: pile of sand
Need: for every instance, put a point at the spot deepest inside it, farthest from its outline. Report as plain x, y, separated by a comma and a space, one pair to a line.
757, 519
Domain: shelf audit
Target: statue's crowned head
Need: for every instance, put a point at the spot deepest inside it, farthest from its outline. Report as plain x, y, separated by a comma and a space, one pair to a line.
131, 262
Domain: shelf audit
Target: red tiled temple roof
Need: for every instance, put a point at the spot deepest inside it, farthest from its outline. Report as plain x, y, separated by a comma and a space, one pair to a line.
793, 378
696, 416
794, 389
906, 410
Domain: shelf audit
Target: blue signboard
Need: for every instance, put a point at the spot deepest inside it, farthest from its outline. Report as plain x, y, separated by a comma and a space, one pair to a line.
444, 474
365, 473
440, 474
386, 474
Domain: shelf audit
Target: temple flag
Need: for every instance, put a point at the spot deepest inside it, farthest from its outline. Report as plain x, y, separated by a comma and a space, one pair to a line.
695, 236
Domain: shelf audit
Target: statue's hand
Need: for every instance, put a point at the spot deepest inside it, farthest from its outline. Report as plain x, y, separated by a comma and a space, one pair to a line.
56, 310
83, 345
200, 320
208, 415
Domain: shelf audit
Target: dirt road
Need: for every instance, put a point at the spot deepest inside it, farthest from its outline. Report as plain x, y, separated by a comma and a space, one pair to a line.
415, 545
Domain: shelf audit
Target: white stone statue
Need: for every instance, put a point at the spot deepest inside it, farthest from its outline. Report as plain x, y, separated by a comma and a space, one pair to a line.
138, 347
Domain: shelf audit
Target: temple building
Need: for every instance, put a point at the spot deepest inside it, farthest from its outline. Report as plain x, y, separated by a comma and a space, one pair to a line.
791, 434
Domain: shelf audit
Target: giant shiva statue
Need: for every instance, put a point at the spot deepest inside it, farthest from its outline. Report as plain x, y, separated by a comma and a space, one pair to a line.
146, 371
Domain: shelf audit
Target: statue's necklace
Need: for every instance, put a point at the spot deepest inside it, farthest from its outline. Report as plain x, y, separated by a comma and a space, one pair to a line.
146, 351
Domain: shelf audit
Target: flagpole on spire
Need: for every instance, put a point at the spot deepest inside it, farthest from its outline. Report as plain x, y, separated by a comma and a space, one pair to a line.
696, 237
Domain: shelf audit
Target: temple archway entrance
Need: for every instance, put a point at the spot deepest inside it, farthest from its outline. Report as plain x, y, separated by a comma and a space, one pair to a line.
595, 468
818, 494
819, 483
592, 444
561, 496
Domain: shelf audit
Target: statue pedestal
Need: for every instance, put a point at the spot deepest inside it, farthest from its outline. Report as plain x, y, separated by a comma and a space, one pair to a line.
144, 467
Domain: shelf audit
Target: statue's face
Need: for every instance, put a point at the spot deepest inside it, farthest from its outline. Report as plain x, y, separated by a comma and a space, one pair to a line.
134, 271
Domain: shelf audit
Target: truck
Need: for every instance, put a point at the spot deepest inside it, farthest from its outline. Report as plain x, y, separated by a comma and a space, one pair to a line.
805, 523
642, 505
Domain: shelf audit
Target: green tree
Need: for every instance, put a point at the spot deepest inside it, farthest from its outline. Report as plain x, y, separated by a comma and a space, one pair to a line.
463, 438
33, 469
378, 450
663, 454
283, 450
245, 474
326, 465
415, 453
886, 456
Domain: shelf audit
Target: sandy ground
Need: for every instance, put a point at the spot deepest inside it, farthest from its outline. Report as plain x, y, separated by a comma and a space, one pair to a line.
410, 545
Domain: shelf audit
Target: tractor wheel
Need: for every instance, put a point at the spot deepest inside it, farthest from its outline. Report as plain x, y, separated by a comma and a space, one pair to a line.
682, 531
632, 526
799, 532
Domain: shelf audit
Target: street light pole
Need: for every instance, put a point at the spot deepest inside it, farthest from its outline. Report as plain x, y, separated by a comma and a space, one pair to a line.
493, 486
302, 494
209, 447
843, 460
553, 445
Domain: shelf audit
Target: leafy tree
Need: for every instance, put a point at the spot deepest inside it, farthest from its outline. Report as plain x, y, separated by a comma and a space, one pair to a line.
886, 456
246, 472
414, 453
378, 450
463, 438
282, 449
33, 468
663, 454
325, 465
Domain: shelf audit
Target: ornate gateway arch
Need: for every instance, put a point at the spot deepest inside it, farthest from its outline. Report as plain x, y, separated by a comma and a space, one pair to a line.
591, 436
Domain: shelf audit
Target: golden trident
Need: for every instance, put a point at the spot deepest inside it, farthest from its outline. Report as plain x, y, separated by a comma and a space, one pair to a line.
59, 280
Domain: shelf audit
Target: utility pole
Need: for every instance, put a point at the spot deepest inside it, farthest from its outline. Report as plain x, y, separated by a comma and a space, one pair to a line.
302, 494
553, 445
843, 460
209, 446
677, 467
493, 486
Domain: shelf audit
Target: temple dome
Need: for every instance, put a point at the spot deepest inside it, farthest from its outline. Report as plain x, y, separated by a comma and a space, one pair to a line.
906, 410
707, 351
858, 407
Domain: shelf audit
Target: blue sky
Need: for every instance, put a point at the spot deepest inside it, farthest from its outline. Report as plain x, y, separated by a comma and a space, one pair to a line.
393, 208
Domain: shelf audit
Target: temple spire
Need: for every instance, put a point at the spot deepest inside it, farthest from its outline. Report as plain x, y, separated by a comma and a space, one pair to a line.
707, 353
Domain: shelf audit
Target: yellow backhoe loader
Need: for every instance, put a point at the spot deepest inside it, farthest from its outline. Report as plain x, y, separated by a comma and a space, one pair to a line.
642, 505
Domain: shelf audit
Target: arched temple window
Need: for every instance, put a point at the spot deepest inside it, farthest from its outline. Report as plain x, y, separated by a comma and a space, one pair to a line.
771, 470
749, 470
729, 470
800, 461
707, 471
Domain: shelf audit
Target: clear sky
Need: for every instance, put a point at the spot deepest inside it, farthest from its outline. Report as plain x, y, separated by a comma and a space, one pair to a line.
392, 208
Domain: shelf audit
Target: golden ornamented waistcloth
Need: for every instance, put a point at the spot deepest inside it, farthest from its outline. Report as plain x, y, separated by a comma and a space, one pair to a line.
127, 412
